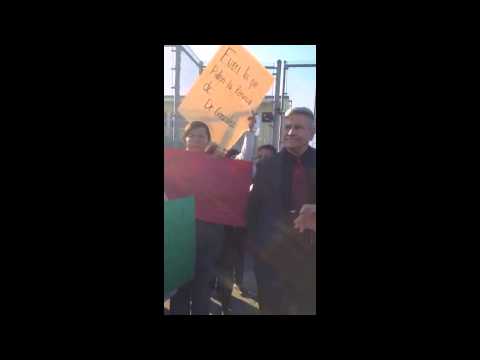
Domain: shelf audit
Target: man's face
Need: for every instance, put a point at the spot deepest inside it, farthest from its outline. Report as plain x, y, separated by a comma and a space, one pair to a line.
264, 154
298, 132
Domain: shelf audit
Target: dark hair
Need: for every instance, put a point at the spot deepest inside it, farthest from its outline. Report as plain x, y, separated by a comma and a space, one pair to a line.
195, 125
211, 148
267, 147
231, 153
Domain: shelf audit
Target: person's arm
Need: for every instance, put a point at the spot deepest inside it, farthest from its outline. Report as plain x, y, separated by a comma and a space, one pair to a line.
242, 151
248, 147
307, 218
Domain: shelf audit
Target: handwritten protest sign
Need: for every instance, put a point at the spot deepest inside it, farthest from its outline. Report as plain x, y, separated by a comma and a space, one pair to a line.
220, 186
229, 89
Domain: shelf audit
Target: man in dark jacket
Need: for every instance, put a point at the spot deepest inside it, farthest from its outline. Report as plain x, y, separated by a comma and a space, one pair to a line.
285, 259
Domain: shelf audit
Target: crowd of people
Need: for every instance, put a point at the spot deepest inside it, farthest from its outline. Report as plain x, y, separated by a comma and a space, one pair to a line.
280, 230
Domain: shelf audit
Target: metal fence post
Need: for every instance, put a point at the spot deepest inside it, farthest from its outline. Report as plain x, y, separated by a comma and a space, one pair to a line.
276, 104
285, 67
176, 98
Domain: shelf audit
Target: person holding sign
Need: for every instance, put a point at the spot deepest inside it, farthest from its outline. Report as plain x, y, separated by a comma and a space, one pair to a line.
285, 259
194, 297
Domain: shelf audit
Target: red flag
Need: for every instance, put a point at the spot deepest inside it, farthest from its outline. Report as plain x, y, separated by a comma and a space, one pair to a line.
220, 186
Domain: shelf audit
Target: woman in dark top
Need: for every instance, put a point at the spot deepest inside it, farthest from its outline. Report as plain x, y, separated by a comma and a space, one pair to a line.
194, 297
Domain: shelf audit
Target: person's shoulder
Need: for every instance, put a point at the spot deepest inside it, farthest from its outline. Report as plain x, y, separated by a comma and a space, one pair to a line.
312, 155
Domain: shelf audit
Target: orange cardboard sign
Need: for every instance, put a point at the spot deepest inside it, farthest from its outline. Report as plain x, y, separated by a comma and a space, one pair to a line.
229, 89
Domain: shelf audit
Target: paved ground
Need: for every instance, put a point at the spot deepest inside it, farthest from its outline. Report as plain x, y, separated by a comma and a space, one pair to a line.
242, 304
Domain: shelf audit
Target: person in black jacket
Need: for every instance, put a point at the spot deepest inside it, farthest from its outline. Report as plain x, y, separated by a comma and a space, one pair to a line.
285, 259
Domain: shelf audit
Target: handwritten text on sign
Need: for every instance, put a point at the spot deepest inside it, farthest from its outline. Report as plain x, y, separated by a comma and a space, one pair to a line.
229, 89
